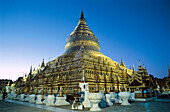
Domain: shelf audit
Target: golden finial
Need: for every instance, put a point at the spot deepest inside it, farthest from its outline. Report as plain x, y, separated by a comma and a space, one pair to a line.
82, 15
139, 63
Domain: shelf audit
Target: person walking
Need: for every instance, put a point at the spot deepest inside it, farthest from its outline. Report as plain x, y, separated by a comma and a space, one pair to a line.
4, 95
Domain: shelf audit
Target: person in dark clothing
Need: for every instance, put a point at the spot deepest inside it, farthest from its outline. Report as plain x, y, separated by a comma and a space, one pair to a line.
4, 95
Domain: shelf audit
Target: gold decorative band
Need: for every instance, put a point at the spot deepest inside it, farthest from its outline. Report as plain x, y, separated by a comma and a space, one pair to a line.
85, 43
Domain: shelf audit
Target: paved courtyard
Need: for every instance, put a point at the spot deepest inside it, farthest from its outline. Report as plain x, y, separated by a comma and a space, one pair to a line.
158, 105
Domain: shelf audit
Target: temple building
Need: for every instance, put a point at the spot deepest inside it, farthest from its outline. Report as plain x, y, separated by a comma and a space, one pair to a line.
82, 59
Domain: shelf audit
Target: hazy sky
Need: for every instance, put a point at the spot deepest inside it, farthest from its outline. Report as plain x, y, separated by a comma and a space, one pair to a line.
31, 30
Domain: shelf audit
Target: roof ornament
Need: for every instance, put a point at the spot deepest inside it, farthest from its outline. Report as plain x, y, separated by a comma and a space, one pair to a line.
82, 15
139, 63
144, 66
43, 64
133, 68
122, 64
31, 70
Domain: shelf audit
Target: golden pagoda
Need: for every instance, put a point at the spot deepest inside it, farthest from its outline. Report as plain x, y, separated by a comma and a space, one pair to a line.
82, 57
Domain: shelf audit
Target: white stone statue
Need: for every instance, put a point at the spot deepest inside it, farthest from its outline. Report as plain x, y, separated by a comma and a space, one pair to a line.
117, 98
113, 97
120, 100
132, 97
86, 102
108, 99
103, 102
158, 89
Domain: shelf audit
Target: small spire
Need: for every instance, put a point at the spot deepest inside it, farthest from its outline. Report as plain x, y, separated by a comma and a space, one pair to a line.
139, 63
82, 15
133, 68
122, 64
42, 64
31, 70
144, 66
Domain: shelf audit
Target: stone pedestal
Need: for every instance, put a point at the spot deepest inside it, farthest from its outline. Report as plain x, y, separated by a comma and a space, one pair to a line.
50, 100
32, 98
39, 98
13, 94
77, 104
86, 102
132, 98
120, 100
44, 99
108, 99
116, 98
61, 101
9, 95
103, 102
95, 98
124, 96
16, 96
113, 97
26, 98
21, 97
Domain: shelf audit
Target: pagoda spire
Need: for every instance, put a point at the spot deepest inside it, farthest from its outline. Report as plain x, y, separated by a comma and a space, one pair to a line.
82, 15
140, 68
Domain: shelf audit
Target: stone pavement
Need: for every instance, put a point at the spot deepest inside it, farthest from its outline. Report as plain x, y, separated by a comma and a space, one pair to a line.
158, 105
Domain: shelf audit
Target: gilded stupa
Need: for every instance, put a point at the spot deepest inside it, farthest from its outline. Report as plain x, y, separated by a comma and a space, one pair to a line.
82, 34
83, 61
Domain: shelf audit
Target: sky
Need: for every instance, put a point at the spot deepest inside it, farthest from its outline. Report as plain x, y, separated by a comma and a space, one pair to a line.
33, 30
